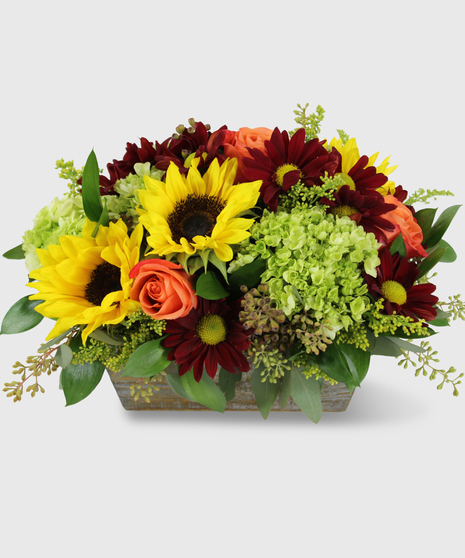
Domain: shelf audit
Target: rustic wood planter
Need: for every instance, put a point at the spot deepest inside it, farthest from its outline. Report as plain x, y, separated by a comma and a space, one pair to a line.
334, 398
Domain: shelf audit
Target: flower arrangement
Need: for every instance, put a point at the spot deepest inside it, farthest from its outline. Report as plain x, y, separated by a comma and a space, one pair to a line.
228, 252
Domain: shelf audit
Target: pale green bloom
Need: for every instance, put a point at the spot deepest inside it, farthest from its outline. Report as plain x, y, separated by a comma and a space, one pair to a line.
65, 216
314, 263
128, 199
62, 216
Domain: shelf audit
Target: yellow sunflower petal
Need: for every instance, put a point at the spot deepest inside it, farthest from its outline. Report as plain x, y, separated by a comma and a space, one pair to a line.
75, 282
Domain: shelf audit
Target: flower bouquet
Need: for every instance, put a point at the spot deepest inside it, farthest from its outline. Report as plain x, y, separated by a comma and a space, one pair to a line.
214, 258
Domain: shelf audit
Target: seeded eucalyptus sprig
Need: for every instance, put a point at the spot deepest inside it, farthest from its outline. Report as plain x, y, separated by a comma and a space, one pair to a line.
455, 306
425, 366
36, 365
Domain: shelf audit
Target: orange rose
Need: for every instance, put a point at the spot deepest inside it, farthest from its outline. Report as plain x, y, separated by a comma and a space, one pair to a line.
163, 288
243, 138
406, 224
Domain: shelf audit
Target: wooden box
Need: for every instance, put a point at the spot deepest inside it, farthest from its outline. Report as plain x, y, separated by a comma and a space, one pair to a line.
334, 398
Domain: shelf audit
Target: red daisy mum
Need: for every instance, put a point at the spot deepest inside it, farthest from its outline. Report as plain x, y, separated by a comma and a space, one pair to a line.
364, 180
208, 336
196, 141
285, 162
395, 284
366, 211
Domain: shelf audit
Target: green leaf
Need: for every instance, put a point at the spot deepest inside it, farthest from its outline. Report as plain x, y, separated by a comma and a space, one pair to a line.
147, 360
425, 218
449, 255
385, 347
210, 287
219, 264
249, 275
175, 383
398, 246
391, 346
103, 336
91, 198
265, 392
227, 383
63, 356
205, 392
306, 392
286, 388
104, 219
440, 322
333, 363
80, 380
429, 262
441, 225
16, 253
357, 359
54, 341
406, 345
21, 316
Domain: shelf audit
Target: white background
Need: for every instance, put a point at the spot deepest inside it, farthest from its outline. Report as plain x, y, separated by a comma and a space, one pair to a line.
385, 478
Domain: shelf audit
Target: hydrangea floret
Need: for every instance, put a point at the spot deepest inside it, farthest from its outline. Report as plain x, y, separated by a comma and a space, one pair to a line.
63, 216
314, 263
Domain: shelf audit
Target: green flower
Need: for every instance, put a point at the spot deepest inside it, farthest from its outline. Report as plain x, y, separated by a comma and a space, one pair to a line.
128, 199
314, 263
61, 217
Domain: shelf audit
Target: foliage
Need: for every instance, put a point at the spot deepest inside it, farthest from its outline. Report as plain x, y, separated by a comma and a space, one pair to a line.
425, 367
36, 366
425, 196
69, 172
137, 329
289, 281
311, 122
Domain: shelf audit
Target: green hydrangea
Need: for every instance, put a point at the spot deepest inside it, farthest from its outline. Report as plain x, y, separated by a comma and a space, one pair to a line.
128, 199
65, 216
315, 263
62, 216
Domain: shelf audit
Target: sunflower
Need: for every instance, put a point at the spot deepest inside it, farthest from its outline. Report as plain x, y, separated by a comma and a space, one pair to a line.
197, 212
285, 162
395, 284
208, 336
85, 280
360, 170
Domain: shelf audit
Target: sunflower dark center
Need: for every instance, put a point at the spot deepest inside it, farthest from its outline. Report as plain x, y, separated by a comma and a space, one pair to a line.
195, 216
105, 279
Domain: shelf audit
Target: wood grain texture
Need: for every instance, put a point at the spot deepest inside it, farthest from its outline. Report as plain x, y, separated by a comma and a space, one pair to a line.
334, 398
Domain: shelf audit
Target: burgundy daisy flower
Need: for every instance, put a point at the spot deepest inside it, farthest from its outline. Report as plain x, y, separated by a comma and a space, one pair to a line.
366, 210
196, 142
395, 284
285, 162
364, 180
207, 337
